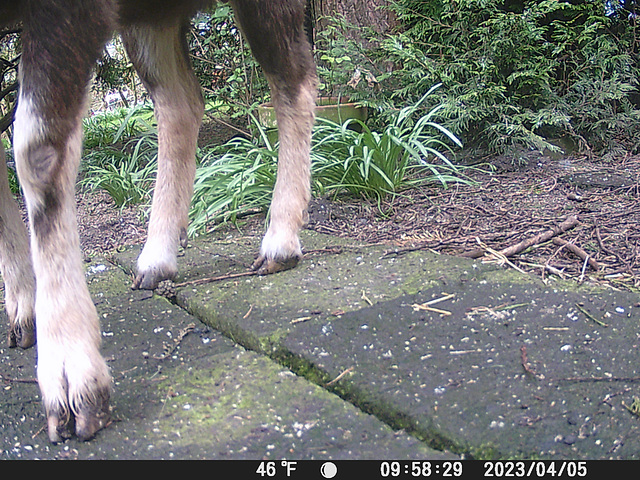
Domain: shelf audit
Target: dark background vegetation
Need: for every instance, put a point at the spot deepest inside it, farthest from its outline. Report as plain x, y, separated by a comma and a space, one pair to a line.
515, 73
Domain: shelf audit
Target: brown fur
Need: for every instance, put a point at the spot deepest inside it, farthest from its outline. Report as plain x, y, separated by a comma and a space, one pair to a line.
62, 40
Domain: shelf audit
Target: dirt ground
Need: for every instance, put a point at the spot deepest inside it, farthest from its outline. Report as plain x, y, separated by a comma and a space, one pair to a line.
596, 202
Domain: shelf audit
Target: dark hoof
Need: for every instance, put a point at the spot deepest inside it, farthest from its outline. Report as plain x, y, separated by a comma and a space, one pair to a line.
266, 266
22, 337
91, 417
60, 426
150, 280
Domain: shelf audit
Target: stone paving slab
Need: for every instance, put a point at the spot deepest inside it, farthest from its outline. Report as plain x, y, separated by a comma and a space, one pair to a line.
184, 391
511, 367
535, 381
343, 357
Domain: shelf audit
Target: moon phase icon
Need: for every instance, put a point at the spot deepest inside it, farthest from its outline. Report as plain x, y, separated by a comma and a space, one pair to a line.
328, 470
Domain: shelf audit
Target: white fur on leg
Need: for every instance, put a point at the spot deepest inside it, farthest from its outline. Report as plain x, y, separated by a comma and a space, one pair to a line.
28, 126
71, 371
157, 261
280, 244
158, 55
17, 270
280, 248
19, 300
72, 375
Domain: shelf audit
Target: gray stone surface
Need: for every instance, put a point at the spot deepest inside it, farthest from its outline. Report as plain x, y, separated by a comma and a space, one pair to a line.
339, 358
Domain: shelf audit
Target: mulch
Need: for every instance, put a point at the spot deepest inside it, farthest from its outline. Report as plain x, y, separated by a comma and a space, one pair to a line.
515, 218
512, 217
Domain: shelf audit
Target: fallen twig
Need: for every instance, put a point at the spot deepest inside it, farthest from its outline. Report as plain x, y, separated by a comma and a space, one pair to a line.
350, 369
201, 281
591, 317
568, 224
427, 306
526, 365
300, 320
634, 407
17, 380
168, 349
600, 242
529, 242
577, 251
500, 257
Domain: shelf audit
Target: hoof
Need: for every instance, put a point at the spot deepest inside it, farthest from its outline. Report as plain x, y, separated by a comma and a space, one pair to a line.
92, 416
151, 279
60, 426
23, 337
267, 266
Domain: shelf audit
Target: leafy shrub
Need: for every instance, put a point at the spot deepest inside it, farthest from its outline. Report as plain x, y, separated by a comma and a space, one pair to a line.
519, 72
223, 62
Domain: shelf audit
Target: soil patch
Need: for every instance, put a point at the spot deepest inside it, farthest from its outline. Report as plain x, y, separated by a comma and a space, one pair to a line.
508, 207
502, 209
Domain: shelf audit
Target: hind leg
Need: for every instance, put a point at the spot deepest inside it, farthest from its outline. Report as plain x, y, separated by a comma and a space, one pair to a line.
60, 45
279, 43
160, 57
17, 270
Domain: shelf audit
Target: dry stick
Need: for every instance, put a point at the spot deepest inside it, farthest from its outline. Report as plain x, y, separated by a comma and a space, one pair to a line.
600, 242
607, 251
331, 249
591, 317
168, 349
202, 281
524, 359
577, 251
348, 370
568, 224
524, 244
17, 380
501, 257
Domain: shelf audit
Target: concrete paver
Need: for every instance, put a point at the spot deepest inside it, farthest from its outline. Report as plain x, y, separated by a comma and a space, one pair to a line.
344, 357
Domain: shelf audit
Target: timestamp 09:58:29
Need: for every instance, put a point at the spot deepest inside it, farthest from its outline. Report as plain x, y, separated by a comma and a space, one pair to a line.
420, 469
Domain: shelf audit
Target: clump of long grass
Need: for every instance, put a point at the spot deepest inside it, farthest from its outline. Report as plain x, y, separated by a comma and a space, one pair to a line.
126, 174
106, 128
238, 177
233, 179
411, 151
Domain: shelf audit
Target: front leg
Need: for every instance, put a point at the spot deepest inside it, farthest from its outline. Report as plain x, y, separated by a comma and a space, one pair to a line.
72, 375
279, 42
60, 46
17, 270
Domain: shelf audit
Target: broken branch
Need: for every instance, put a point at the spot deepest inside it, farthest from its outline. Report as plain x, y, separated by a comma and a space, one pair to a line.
568, 224
577, 251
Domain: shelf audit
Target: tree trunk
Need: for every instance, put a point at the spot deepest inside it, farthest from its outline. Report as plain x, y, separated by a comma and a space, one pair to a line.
361, 13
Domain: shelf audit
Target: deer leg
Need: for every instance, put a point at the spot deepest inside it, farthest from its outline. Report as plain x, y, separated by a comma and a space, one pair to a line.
17, 270
160, 57
280, 44
60, 45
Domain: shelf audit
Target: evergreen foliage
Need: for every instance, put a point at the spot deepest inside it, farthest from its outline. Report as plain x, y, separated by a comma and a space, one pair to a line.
517, 72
